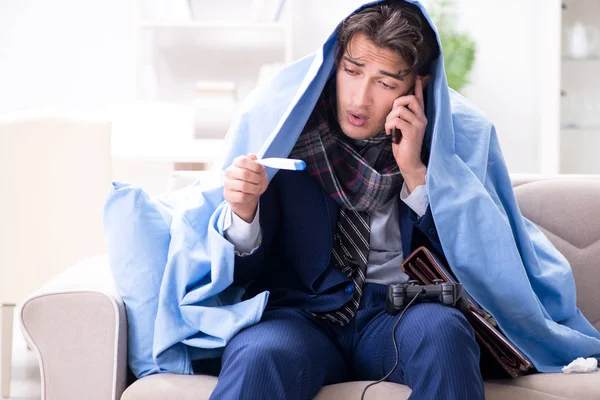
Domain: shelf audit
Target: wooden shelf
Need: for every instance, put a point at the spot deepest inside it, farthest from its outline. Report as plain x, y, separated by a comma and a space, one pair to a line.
174, 50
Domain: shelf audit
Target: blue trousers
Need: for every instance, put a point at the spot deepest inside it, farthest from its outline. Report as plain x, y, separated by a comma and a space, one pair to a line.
290, 354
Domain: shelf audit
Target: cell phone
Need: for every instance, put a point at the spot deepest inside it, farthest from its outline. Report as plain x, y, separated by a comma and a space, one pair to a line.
396, 135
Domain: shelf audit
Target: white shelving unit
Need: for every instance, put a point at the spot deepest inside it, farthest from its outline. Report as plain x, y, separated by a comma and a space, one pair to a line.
158, 42
174, 50
580, 91
568, 135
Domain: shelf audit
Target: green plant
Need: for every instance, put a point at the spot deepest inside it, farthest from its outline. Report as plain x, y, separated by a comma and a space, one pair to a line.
458, 47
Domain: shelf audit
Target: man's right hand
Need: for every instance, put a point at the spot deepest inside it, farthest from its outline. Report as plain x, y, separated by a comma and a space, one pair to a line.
245, 181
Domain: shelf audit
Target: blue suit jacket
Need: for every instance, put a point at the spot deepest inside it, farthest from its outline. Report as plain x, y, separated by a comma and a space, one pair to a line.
298, 220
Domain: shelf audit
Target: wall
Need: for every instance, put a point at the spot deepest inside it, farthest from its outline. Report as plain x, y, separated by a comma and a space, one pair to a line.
65, 53
503, 83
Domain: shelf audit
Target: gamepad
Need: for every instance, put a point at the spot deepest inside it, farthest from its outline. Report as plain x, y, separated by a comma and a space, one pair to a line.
447, 293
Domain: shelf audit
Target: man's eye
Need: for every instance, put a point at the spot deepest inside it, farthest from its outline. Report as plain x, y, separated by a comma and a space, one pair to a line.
350, 71
386, 86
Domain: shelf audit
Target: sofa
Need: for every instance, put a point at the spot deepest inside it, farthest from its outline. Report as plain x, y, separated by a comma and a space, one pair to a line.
77, 324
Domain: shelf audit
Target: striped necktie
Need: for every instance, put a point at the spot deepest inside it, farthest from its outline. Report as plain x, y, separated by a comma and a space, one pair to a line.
350, 253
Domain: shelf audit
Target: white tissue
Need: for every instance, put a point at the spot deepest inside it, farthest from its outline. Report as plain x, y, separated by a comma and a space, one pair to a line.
581, 365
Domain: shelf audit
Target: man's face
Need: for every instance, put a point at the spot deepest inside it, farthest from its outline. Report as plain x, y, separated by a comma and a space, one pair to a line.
367, 85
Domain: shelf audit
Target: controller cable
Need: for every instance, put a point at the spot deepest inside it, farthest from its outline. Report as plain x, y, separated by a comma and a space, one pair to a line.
417, 296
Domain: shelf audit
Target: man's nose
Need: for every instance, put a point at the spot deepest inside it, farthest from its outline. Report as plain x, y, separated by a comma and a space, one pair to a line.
362, 94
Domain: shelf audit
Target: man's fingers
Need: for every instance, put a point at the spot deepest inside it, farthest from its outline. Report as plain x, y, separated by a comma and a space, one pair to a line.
398, 124
248, 163
242, 186
244, 175
405, 114
245, 181
419, 91
411, 102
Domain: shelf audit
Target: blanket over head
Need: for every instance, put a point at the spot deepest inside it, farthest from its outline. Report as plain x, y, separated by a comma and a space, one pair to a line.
174, 269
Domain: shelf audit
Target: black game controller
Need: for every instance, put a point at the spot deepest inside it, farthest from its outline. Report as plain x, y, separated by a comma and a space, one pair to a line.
400, 294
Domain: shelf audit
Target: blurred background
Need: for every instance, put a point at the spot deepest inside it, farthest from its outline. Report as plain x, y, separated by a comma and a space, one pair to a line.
142, 91
169, 74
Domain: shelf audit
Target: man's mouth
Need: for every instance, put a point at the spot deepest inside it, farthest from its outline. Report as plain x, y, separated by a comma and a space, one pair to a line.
357, 119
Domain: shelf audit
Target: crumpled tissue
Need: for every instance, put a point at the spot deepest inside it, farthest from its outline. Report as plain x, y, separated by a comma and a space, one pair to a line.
581, 365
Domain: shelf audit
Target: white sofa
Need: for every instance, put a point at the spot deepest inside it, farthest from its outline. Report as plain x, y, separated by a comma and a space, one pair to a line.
77, 323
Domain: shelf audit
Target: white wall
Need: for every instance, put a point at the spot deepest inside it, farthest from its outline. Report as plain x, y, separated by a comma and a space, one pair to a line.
80, 54
322, 16
504, 82
65, 53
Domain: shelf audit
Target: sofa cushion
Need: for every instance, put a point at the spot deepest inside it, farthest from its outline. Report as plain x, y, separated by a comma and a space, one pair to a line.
533, 387
571, 223
194, 387
171, 386
560, 386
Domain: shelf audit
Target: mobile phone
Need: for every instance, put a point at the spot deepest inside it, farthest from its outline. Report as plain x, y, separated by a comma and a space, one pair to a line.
396, 135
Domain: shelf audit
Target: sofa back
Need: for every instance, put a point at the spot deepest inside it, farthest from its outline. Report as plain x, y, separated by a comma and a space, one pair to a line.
567, 209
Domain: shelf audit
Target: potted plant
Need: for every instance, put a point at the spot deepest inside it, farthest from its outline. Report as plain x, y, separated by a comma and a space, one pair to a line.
458, 47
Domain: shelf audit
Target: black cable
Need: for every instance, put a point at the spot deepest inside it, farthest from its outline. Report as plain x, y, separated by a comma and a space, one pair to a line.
395, 345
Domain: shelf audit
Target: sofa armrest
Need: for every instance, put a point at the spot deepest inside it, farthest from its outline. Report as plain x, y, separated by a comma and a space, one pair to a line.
77, 326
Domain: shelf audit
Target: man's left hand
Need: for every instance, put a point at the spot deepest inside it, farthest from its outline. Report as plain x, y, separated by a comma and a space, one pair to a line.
408, 115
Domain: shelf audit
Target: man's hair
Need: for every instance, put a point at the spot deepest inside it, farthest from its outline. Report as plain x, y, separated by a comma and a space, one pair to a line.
395, 25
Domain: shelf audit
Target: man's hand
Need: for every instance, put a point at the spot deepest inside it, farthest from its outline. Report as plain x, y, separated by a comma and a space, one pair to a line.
408, 115
245, 181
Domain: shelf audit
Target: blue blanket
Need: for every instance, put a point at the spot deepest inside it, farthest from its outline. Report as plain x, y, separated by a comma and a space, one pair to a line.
174, 268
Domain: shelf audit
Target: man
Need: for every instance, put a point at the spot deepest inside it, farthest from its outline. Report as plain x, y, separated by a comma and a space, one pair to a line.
325, 242
320, 246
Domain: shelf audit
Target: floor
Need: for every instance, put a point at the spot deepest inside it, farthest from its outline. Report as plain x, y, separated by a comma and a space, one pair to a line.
25, 371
